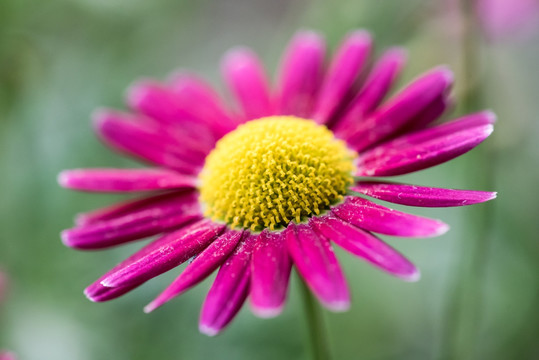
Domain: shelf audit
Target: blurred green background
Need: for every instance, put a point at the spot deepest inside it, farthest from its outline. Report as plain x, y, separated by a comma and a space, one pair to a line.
60, 59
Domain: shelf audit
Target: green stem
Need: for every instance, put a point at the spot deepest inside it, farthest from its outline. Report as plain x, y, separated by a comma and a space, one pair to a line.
318, 340
470, 45
464, 315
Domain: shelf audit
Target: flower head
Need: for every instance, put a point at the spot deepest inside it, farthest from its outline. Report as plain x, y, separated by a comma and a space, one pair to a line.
275, 182
264, 174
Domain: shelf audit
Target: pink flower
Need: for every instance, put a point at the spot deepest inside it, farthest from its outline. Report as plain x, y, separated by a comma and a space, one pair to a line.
6, 355
500, 18
276, 189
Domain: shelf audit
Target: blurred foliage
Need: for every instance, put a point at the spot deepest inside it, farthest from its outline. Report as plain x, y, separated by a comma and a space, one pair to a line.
60, 59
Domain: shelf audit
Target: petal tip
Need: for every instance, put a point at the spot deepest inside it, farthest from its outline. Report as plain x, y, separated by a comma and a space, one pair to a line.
398, 54
488, 130
490, 115
66, 239
337, 306
81, 219
413, 277
446, 74
309, 37
89, 295
63, 178
236, 53
360, 35
441, 229
100, 116
208, 330
155, 303
266, 312
135, 93
150, 307
100, 113
236, 59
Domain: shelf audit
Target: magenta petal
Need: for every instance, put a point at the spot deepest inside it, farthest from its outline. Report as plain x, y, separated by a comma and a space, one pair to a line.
203, 102
426, 148
401, 109
124, 180
229, 290
202, 266
245, 76
168, 215
342, 73
178, 247
128, 207
373, 217
429, 114
270, 272
366, 246
301, 74
318, 266
467, 122
156, 101
161, 106
413, 195
376, 87
97, 292
144, 142
187, 107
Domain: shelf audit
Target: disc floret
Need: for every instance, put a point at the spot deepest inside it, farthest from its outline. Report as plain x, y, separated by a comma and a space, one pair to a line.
274, 170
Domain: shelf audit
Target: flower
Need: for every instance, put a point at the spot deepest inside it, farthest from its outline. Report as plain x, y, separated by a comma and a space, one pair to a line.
276, 182
498, 20
5, 355
501, 18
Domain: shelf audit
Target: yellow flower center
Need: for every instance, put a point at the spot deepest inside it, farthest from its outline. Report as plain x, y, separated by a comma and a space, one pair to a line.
273, 170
